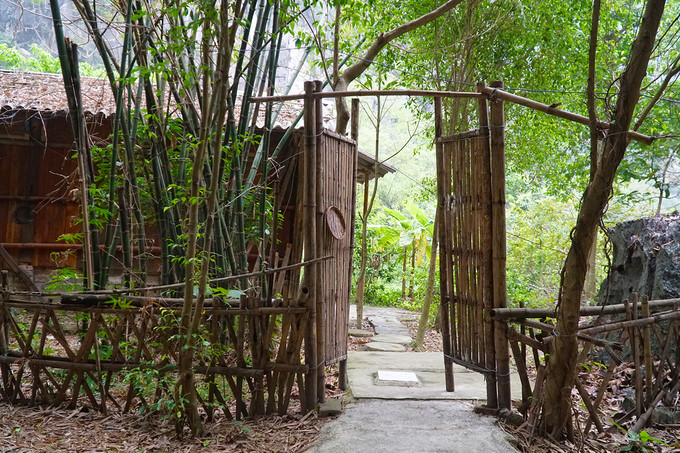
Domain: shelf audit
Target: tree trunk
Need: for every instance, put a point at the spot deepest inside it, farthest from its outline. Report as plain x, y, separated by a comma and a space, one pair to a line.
561, 370
427, 303
403, 273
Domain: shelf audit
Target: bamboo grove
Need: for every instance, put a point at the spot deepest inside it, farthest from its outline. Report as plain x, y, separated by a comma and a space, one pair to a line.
185, 153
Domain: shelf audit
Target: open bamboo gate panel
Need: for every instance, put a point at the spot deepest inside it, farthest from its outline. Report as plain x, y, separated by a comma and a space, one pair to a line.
337, 167
471, 190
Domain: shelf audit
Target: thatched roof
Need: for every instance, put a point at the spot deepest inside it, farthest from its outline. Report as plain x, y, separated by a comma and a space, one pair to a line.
45, 92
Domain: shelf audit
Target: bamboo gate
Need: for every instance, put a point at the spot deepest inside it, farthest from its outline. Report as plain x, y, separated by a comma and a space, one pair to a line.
471, 191
262, 354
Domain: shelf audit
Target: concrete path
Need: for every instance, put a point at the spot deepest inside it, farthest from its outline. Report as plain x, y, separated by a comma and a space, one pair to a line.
412, 427
402, 404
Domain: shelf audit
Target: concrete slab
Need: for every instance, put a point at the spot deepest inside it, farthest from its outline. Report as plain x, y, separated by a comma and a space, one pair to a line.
379, 426
384, 347
406, 340
397, 378
359, 333
428, 368
330, 407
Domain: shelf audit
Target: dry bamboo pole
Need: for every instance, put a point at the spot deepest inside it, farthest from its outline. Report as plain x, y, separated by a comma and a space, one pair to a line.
443, 191
343, 94
460, 230
321, 302
672, 333
520, 362
497, 92
633, 336
632, 323
647, 351
460, 253
521, 313
479, 251
531, 342
592, 410
309, 163
497, 125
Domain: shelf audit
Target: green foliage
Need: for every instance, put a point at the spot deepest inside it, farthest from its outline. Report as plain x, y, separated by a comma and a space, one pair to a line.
640, 442
38, 60
65, 280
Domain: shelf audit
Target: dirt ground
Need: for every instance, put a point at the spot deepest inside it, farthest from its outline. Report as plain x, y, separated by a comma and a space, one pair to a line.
48, 429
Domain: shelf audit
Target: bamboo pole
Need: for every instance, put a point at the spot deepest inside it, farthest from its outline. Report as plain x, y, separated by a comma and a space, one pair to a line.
632, 323
521, 313
647, 352
309, 162
320, 282
497, 125
498, 92
486, 247
343, 94
443, 192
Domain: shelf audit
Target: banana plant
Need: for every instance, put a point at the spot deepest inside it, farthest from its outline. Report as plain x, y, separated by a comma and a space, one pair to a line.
412, 235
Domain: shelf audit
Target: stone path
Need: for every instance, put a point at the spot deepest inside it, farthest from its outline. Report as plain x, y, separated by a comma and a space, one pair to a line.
402, 405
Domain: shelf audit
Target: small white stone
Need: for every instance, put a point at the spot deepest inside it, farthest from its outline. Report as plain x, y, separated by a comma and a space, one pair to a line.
397, 378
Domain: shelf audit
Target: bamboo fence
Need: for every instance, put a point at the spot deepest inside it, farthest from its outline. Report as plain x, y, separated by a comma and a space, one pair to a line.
249, 361
648, 336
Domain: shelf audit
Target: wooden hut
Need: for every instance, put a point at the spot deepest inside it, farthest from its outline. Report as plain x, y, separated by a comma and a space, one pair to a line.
39, 199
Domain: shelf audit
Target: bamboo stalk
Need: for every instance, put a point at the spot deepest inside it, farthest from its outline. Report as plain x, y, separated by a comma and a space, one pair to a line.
497, 124
343, 94
521, 313
647, 351
443, 189
498, 92
631, 323
311, 353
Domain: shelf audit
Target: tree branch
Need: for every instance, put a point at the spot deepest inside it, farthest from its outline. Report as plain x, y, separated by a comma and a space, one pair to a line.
354, 71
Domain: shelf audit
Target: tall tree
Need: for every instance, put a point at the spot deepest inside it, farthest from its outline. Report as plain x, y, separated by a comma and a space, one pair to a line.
561, 370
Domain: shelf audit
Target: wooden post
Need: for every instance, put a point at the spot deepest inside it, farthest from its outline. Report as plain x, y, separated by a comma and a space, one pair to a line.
309, 164
4, 323
443, 194
635, 346
486, 246
321, 302
647, 351
497, 126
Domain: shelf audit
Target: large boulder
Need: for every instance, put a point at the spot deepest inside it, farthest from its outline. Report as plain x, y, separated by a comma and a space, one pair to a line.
646, 259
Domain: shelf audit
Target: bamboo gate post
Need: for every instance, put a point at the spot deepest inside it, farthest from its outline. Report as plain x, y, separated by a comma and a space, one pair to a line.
321, 304
497, 126
486, 242
443, 193
309, 165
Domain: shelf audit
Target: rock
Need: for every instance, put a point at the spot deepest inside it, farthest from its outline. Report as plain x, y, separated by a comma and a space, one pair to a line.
359, 333
393, 338
384, 347
330, 407
628, 402
644, 260
665, 416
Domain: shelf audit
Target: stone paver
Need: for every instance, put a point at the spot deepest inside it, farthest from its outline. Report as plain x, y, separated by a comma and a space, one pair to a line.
359, 333
406, 340
379, 346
